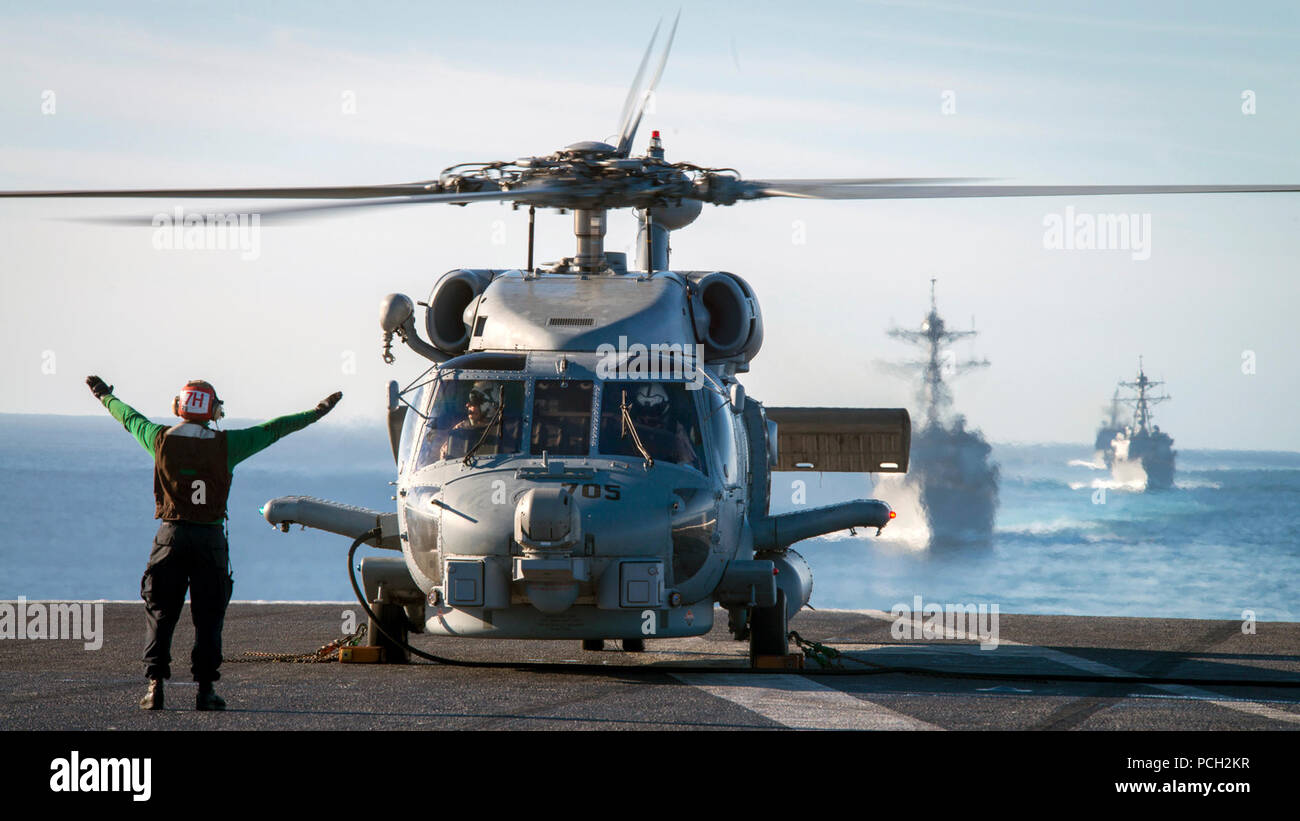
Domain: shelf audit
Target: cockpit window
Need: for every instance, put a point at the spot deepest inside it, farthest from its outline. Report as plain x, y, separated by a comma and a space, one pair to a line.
561, 417
664, 416
484, 416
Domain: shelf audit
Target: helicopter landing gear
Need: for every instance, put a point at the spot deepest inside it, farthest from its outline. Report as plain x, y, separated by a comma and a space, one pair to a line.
738, 622
392, 617
769, 630
633, 645
593, 644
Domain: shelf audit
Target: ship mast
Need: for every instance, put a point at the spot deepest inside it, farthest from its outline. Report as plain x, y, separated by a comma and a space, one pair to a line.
934, 395
1141, 402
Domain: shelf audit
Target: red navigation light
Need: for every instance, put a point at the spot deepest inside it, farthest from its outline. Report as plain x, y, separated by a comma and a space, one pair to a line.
892, 514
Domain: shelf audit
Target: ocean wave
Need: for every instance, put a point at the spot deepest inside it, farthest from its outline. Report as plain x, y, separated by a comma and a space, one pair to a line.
1060, 525
1191, 484
1109, 484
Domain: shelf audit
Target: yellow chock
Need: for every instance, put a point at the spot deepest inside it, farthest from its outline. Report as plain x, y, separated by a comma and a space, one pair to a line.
790, 661
360, 655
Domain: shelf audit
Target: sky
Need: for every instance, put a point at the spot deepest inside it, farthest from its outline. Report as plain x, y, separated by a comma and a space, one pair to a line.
320, 93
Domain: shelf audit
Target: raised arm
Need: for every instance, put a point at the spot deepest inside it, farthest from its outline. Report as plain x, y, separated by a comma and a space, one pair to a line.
144, 431
243, 443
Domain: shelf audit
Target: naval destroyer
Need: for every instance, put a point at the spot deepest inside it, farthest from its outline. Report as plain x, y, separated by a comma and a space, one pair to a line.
1139, 453
955, 483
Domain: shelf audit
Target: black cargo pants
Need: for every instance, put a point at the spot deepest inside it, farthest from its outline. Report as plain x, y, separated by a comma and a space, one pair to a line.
194, 556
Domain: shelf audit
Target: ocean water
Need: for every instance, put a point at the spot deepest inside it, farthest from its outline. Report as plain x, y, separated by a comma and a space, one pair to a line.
76, 508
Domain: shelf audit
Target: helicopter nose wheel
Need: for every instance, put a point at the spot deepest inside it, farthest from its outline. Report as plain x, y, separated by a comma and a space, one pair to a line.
595, 645
633, 645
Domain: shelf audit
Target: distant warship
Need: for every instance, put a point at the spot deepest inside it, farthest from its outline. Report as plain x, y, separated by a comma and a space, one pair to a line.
1140, 453
956, 485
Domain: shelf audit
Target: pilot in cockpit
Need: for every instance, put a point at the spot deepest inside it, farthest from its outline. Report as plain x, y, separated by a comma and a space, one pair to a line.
662, 434
482, 407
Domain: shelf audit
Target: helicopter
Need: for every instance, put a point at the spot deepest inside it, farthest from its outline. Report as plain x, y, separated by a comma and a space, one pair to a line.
579, 460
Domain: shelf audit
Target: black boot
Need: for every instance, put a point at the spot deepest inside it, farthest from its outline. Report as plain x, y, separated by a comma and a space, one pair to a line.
153, 700
208, 699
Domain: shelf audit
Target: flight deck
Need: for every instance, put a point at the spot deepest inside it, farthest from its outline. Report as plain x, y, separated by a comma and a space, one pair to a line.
1047, 672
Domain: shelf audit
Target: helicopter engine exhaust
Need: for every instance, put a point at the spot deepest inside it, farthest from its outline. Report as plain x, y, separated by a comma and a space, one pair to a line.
445, 320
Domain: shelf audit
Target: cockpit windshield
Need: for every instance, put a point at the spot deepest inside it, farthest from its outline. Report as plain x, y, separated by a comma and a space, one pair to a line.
663, 415
488, 417
482, 417
561, 417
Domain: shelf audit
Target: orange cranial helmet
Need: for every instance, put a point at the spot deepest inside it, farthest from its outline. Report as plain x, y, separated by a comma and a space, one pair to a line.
198, 402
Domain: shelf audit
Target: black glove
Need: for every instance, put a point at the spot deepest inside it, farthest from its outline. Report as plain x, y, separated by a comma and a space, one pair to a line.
98, 387
327, 404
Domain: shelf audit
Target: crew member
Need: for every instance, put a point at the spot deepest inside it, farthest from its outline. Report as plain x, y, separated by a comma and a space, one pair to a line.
481, 408
193, 464
663, 436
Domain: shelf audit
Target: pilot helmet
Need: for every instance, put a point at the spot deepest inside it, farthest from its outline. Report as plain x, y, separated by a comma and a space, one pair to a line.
484, 396
650, 403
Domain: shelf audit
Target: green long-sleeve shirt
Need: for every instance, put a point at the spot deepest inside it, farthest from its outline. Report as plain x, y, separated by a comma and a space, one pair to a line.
240, 444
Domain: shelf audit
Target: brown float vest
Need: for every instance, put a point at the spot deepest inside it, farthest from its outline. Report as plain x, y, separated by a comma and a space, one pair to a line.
190, 478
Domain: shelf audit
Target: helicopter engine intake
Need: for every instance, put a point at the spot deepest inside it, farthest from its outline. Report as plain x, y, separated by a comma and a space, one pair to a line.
727, 319
445, 321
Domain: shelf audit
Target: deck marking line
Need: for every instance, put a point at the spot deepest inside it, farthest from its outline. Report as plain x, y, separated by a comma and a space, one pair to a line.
797, 701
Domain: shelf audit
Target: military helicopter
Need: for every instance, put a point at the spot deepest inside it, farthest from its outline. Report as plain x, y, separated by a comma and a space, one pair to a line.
580, 461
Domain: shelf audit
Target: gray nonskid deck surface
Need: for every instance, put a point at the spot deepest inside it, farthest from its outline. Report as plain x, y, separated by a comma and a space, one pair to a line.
49, 684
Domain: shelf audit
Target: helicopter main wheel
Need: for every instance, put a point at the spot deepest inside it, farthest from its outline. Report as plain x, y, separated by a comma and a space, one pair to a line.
392, 617
593, 644
769, 629
738, 623
633, 645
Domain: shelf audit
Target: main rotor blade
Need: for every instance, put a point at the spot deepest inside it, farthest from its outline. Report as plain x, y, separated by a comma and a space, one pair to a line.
628, 133
293, 213
851, 190
299, 193
626, 114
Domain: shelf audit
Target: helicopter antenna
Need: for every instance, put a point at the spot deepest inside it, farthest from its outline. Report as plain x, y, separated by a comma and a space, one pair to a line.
649, 242
532, 221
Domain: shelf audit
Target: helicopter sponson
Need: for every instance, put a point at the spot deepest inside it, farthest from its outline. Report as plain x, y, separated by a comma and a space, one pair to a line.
580, 462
